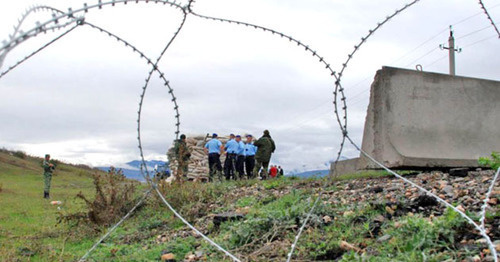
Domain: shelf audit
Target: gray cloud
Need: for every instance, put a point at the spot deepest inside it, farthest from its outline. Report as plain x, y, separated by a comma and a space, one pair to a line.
79, 98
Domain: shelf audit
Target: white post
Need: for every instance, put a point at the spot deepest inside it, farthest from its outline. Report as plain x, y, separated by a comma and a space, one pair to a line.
451, 50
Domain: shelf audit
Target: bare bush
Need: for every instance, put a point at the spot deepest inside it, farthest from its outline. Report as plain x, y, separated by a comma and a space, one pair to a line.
113, 198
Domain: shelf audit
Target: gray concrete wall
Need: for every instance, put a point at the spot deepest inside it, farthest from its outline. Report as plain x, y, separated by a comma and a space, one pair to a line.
421, 119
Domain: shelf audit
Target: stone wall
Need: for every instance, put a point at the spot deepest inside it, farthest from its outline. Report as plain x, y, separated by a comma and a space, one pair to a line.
198, 164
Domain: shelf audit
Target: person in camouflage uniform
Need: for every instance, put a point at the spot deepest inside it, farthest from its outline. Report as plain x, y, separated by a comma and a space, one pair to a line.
265, 147
48, 169
182, 155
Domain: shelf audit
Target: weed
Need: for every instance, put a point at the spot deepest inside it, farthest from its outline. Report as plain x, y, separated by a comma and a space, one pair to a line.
181, 246
493, 162
272, 184
246, 201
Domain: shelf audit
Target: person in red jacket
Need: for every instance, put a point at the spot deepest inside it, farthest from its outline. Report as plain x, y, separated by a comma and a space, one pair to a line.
273, 172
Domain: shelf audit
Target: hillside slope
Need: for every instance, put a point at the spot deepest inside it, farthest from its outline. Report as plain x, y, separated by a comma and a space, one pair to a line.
28, 226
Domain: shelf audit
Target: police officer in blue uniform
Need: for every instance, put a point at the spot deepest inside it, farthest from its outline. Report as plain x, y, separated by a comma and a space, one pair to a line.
240, 158
214, 149
231, 153
250, 151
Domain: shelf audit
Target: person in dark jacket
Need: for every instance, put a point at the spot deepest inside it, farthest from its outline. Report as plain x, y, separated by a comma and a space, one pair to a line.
265, 147
48, 169
182, 155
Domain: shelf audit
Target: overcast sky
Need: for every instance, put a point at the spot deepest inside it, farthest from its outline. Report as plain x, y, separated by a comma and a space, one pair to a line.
78, 99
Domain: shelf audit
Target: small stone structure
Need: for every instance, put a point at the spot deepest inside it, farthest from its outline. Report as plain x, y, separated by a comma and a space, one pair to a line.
423, 120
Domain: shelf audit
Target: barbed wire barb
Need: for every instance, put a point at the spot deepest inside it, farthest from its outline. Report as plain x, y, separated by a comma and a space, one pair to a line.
2, 74
489, 17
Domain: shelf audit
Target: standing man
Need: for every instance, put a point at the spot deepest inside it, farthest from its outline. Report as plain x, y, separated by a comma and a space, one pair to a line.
182, 154
250, 151
48, 169
230, 163
214, 149
280, 171
265, 147
240, 158
273, 172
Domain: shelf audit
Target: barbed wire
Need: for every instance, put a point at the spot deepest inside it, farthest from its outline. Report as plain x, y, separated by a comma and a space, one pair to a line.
37, 51
25, 37
145, 174
28, 11
41, 27
338, 91
174, 99
143, 166
153, 184
194, 228
113, 228
489, 17
155, 69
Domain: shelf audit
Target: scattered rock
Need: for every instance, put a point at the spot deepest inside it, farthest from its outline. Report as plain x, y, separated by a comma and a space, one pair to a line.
384, 238
169, 257
348, 247
377, 189
379, 218
26, 252
348, 213
219, 218
199, 253
459, 172
425, 201
190, 257
448, 190
327, 219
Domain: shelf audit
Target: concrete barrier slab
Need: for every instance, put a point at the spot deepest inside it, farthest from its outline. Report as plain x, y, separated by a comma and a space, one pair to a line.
424, 120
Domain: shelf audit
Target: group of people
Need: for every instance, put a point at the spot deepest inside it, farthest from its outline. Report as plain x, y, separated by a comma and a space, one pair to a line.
243, 159
276, 171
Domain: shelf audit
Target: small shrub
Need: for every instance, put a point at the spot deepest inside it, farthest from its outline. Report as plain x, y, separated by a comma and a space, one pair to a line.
246, 201
493, 162
1, 187
114, 198
20, 154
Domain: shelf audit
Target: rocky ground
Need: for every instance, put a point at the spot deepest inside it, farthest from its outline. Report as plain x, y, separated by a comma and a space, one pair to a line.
391, 204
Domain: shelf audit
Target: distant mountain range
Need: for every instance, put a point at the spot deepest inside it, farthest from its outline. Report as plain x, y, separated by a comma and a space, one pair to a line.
312, 173
132, 169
